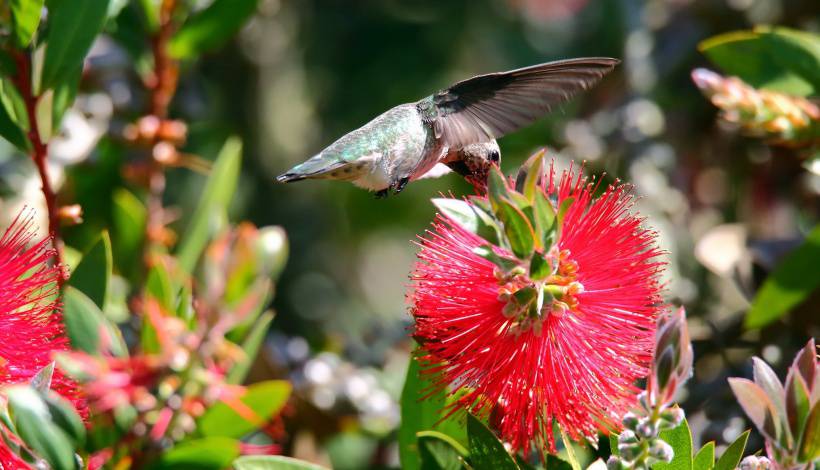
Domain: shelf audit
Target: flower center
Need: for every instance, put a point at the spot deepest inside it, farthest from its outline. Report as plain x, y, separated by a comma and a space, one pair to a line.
529, 302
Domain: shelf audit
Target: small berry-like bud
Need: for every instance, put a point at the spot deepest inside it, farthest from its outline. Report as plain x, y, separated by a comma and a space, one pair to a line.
71, 215
627, 437
647, 429
671, 418
660, 450
630, 452
749, 463
764, 462
630, 421
614, 463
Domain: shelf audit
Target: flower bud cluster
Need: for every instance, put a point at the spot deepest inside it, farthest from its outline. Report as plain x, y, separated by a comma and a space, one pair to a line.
754, 462
788, 120
640, 444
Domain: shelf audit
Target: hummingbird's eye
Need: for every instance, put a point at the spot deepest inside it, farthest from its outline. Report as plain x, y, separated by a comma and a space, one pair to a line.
494, 156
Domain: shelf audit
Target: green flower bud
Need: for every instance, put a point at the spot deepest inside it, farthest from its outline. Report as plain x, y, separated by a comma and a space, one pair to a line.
647, 429
627, 437
614, 463
630, 452
630, 421
660, 450
671, 418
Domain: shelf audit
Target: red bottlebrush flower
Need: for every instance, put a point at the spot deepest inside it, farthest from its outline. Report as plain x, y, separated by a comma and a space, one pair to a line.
31, 328
576, 358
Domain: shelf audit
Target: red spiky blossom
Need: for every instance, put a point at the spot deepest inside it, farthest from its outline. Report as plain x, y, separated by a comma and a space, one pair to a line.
578, 363
31, 328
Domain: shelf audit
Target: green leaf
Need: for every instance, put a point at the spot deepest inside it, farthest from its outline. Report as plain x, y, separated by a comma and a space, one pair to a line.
158, 285
422, 409
519, 232
84, 322
798, 403
65, 417
788, 285
41, 381
545, 220
93, 274
732, 455
208, 29
73, 25
213, 205
539, 268
469, 217
680, 438
273, 462
487, 252
496, 187
210, 453
810, 444
33, 423
250, 348
64, 93
534, 172
14, 103
778, 59
263, 399
10, 131
486, 451
25, 16
440, 451
705, 458
573, 460
129, 216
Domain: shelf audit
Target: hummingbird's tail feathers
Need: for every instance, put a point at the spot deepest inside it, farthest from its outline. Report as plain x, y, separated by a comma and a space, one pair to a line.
290, 177
316, 167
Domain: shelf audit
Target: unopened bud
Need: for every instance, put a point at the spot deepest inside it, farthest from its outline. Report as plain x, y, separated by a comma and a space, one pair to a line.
165, 153
71, 215
660, 450
614, 463
627, 437
172, 131
647, 429
630, 421
630, 452
671, 418
749, 463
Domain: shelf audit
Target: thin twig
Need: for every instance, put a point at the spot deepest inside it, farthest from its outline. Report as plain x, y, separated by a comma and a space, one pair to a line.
162, 87
39, 152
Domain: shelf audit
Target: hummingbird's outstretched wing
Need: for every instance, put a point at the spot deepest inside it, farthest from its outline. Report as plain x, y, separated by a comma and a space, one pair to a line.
489, 106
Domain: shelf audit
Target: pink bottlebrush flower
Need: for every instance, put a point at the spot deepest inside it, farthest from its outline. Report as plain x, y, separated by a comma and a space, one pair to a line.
31, 328
576, 361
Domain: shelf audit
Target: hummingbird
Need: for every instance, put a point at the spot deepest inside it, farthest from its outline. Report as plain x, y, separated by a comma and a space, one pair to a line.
453, 129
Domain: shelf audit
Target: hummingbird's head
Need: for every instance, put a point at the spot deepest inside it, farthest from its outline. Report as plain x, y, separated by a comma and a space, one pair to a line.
479, 159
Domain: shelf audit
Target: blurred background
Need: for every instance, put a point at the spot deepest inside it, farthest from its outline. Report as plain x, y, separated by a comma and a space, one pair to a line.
302, 73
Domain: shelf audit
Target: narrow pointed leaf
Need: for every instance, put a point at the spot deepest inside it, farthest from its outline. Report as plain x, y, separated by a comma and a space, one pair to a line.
423, 410
34, 426
85, 324
273, 462
810, 444
732, 455
93, 274
806, 363
260, 402
42, 379
797, 403
756, 404
469, 217
519, 232
536, 169
211, 27
496, 187
25, 16
705, 458
73, 25
210, 453
439, 451
486, 451
250, 348
791, 282
539, 268
213, 205
767, 380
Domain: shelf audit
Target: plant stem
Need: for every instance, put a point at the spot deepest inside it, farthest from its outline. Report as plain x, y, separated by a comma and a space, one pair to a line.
162, 89
39, 152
